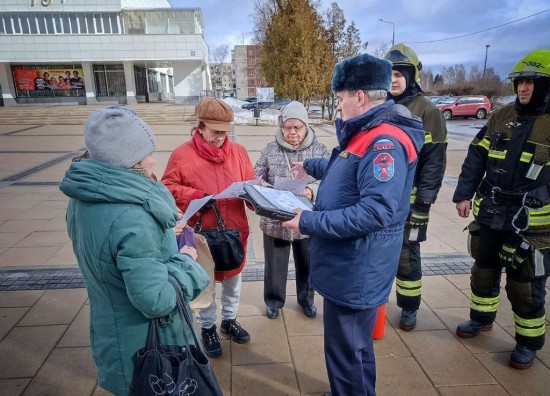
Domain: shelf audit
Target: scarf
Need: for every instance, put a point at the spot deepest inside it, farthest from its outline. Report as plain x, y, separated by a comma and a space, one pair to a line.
209, 152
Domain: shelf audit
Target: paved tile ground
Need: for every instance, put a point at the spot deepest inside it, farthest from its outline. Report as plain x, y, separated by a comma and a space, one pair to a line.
44, 313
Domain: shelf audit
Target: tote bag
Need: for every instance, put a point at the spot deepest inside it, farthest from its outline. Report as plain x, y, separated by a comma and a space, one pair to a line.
173, 369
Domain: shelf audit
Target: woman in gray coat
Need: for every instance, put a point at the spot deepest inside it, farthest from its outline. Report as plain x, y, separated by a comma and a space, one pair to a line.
294, 141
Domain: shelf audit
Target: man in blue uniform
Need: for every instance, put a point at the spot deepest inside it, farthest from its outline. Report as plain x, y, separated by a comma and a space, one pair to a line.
356, 229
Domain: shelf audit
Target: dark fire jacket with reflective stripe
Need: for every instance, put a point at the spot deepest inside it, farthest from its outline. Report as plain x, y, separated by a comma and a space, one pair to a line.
432, 158
524, 147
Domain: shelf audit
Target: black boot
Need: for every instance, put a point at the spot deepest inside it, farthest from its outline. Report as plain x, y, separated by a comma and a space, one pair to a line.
471, 328
522, 357
408, 320
211, 342
234, 330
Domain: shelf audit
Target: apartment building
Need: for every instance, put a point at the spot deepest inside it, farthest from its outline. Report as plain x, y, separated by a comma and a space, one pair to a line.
247, 70
222, 80
85, 52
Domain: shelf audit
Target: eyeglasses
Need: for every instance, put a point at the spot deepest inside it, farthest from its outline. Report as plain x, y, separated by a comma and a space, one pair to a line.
297, 128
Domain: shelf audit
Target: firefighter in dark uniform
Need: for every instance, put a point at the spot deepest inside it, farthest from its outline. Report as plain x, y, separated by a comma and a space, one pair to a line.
405, 90
508, 169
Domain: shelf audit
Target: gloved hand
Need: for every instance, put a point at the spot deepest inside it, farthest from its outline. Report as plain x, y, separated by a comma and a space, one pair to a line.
417, 222
514, 251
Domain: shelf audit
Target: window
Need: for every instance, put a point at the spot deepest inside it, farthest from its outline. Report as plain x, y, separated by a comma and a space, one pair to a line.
16, 24
98, 23
90, 23
66, 23
2, 28
106, 23
74, 23
25, 28
32, 24
82, 23
193, 53
58, 27
114, 23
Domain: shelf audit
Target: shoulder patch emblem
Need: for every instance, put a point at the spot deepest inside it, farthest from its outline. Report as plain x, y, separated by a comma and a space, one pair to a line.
383, 144
383, 167
344, 154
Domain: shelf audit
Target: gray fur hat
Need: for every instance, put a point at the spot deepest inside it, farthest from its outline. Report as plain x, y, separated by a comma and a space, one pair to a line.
365, 72
294, 110
118, 137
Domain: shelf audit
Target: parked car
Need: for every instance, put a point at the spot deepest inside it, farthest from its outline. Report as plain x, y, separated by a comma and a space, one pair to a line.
465, 106
277, 104
251, 105
250, 99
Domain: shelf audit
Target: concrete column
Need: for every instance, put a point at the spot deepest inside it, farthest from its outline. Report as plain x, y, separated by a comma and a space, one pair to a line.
89, 83
188, 81
8, 86
130, 79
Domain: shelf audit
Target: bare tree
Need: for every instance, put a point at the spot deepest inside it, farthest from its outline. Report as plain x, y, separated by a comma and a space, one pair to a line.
220, 54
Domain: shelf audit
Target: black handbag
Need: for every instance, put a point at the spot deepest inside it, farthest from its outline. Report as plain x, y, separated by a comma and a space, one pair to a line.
173, 369
224, 243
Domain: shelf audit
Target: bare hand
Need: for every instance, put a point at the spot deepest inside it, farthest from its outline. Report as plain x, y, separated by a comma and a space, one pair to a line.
463, 208
178, 228
307, 193
189, 250
297, 171
294, 224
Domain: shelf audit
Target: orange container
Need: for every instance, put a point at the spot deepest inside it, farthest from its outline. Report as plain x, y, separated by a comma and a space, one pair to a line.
380, 324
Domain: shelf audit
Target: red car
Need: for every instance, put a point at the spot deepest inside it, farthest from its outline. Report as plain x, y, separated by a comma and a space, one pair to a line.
465, 106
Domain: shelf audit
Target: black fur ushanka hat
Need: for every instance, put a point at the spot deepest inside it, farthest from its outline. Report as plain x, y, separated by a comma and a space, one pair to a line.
362, 72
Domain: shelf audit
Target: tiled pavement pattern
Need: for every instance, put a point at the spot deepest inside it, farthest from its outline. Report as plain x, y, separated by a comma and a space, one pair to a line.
72, 278
44, 341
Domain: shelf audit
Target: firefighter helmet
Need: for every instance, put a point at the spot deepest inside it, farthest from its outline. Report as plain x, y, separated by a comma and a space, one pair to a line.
535, 64
400, 54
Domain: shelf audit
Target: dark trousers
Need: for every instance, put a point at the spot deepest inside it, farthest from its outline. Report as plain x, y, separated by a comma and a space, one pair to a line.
526, 294
276, 253
409, 270
349, 352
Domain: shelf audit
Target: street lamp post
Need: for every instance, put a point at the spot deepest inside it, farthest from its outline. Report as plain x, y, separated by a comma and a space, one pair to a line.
485, 65
393, 31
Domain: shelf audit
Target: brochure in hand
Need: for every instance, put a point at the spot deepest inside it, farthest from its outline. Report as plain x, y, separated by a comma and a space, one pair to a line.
275, 204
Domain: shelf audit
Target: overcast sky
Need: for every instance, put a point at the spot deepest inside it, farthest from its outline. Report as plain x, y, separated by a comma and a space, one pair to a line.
416, 22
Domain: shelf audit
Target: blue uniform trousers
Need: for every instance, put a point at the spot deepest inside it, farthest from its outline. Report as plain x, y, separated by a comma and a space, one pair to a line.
349, 352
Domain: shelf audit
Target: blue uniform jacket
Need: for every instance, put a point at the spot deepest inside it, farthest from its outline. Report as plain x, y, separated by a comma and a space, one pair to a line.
356, 228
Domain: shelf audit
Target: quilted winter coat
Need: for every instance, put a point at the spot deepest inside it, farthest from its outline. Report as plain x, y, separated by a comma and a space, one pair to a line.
275, 160
356, 229
120, 224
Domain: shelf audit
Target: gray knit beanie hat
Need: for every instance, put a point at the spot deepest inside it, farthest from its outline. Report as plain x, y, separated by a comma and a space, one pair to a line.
294, 110
118, 137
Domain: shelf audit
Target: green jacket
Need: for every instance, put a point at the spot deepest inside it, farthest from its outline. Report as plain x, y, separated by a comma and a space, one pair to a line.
120, 224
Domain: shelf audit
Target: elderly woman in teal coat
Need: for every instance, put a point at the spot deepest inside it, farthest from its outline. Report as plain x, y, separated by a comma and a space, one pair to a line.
120, 221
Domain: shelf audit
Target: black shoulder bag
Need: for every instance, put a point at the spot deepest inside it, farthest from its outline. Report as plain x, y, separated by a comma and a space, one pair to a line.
173, 369
224, 243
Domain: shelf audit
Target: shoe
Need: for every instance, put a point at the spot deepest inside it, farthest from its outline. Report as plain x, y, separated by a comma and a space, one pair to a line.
235, 331
471, 328
408, 320
211, 342
522, 357
310, 311
272, 313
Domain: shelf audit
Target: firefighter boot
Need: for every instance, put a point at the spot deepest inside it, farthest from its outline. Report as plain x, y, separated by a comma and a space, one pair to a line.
471, 328
408, 320
522, 357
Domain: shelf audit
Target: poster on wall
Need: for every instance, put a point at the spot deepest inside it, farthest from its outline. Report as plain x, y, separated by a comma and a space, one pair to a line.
48, 79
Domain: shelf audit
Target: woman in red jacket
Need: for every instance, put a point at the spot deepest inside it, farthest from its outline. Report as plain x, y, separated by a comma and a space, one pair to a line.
207, 165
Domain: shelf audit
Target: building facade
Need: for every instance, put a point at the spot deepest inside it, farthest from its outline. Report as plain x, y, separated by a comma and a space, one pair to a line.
247, 69
81, 51
222, 80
